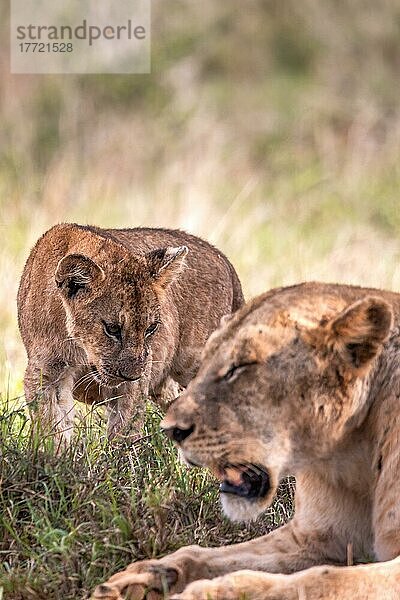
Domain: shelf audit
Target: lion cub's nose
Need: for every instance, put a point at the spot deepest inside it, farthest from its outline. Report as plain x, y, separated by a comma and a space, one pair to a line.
177, 434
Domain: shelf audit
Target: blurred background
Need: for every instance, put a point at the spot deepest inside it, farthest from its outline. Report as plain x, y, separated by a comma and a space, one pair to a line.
270, 128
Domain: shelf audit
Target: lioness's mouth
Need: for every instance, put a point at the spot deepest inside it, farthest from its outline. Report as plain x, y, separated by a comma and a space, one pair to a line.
251, 483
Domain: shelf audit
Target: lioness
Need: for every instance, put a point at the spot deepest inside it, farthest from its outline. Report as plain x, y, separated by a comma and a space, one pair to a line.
306, 381
107, 313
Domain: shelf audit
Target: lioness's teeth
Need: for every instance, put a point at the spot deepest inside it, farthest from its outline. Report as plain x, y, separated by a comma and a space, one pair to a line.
233, 476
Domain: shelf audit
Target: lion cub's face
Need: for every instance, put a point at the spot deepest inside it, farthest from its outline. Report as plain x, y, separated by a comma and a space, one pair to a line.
272, 394
114, 311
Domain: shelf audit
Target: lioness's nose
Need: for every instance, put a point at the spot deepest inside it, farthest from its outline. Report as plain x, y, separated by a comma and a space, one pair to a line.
177, 434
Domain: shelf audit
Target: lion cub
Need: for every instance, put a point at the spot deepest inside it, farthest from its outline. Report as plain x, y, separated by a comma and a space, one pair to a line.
107, 315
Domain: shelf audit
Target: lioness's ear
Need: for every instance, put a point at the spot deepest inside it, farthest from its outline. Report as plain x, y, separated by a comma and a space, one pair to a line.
361, 329
76, 275
165, 264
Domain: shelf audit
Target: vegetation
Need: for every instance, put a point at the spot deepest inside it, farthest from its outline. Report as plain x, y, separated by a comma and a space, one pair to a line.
273, 131
70, 521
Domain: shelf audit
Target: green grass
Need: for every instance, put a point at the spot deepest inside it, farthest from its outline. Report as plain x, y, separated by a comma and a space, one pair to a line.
68, 522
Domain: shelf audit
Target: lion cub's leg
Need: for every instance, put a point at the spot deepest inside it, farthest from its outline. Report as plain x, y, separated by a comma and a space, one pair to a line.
125, 405
125, 408
165, 393
50, 401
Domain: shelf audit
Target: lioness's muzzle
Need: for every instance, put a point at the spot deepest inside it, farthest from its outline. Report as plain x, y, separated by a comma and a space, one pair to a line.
254, 483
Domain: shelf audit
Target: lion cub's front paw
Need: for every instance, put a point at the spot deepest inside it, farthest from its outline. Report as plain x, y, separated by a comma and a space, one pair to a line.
147, 579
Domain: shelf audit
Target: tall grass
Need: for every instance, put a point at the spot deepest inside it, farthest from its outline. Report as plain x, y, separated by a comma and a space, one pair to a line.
69, 521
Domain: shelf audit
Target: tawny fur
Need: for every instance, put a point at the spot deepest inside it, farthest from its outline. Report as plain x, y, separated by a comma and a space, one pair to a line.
315, 394
80, 281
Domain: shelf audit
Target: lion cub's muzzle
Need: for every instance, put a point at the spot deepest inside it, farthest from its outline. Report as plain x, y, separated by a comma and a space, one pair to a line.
117, 378
250, 483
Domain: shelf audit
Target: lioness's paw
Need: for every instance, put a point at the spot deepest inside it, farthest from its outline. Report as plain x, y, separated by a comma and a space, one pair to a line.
220, 588
240, 585
147, 579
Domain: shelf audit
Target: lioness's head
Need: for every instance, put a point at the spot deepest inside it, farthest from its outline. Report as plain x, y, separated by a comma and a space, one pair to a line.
114, 308
284, 380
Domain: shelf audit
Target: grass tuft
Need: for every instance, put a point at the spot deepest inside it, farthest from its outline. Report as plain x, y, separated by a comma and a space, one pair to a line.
69, 521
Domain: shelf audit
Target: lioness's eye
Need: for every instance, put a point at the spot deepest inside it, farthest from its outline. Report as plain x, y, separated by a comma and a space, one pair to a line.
235, 369
230, 373
151, 329
113, 330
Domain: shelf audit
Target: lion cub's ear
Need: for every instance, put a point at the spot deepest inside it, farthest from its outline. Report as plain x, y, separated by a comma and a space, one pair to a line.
361, 329
76, 275
165, 264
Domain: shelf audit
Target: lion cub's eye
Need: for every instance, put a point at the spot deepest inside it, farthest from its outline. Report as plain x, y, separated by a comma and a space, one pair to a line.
151, 329
112, 330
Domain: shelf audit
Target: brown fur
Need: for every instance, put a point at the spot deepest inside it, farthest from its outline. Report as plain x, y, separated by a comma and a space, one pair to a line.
314, 393
77, 279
